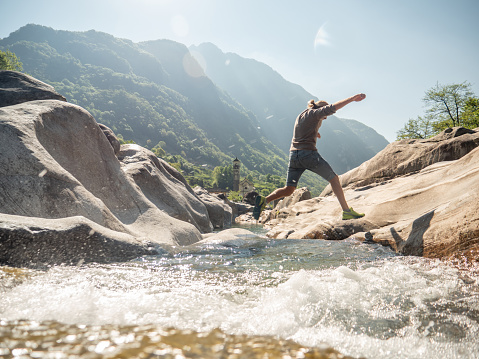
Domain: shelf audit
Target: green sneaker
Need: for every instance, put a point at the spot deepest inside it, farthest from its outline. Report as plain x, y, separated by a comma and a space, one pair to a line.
260, 204
352, 214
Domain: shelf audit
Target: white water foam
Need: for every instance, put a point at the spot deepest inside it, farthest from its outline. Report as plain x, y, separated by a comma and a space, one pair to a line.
396, 308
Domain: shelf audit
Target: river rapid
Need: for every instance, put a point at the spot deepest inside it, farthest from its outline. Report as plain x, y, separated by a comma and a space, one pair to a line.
251, 298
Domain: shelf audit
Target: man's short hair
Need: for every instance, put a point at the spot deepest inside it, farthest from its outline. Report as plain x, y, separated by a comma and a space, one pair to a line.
317, 104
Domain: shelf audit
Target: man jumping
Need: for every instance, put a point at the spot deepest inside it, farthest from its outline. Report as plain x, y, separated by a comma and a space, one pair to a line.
304, 155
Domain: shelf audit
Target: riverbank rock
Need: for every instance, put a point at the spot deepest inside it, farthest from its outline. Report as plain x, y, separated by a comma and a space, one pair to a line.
405, 157
421, 197
283, 208
41, 242
220, 213
250, 197
233, 237
164, 186
56, 163
114, 142
17, 87
237, 208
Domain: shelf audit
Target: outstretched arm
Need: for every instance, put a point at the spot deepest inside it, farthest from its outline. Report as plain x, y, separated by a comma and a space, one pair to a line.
355, 98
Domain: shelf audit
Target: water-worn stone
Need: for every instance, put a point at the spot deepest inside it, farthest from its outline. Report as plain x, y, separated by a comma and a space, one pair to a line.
56, 162
431, 211
164, 186
17, 87
114, 142
40, 242
237, 208
283, 208
233, 237
221, 215
408, 156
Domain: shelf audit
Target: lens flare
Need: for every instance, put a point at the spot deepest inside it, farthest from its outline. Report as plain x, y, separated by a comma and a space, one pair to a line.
194, 64
322, 37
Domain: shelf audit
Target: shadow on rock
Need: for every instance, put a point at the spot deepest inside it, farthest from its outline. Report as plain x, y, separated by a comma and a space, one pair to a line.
414, 244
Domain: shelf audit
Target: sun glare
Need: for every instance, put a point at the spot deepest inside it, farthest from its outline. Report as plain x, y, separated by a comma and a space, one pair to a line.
322, 37
194, 64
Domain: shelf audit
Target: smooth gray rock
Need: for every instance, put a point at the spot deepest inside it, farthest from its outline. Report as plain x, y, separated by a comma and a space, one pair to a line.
164, 186
17, 87
114, 142
233, 237
237, 208
250, 197
56, 162
282, 208
221, 214
40, 242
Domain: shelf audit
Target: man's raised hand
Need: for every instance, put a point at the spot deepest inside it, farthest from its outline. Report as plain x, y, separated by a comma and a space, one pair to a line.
359, 97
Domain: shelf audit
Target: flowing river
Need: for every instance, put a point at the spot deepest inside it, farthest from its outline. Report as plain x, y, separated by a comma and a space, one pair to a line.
251, 298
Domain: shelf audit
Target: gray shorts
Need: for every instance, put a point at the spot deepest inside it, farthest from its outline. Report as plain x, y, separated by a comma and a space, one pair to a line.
301, 160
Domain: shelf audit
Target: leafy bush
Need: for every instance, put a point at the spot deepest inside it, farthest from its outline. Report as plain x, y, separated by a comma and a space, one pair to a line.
9, 61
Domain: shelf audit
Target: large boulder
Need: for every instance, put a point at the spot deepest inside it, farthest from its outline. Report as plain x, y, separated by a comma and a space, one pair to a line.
56, 163
221, 215
431, 211
408, 156
17, 87
164, 186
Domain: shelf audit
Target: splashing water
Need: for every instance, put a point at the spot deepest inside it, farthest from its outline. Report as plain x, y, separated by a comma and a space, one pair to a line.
361, 300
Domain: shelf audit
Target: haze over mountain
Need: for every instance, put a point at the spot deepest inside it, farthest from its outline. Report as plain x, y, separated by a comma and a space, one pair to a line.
156, 94
276, 102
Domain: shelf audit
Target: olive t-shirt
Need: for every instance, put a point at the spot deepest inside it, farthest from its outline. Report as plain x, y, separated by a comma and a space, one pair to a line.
307, 125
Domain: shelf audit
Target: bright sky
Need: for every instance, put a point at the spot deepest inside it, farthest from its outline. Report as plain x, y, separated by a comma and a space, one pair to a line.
391, 50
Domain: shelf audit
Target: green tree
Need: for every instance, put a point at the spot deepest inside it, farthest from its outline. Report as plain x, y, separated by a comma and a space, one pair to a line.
470, 114
223, 177
422, 127
446, 102
158, 149
9, 61
447, 106
235, 196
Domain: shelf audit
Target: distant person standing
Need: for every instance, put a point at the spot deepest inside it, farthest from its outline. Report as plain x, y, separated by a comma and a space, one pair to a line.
304, 155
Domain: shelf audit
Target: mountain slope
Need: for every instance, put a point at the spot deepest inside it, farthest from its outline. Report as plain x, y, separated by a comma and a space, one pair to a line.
146, 97
276, 103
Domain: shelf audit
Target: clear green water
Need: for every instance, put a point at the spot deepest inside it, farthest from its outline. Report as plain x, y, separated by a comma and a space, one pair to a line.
257, 298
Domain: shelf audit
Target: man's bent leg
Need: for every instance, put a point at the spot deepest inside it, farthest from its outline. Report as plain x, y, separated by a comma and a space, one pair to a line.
261, 202
348, 213
280, 193
338, 191
292, 178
